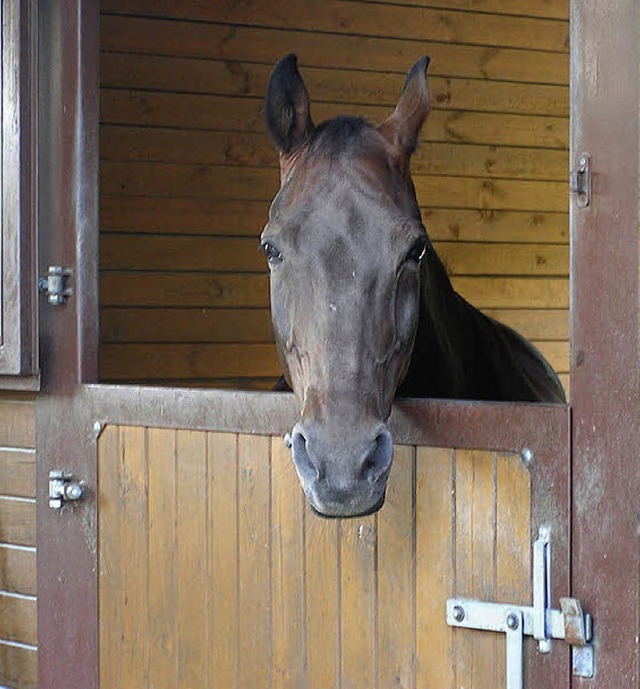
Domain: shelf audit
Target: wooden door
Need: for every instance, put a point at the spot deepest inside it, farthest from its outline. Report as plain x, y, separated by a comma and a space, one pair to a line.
214, 571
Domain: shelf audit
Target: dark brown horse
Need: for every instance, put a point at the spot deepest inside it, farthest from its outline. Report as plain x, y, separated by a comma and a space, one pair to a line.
362, 307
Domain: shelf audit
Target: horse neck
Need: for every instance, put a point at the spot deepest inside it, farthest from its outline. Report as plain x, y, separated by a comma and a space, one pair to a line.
439, 357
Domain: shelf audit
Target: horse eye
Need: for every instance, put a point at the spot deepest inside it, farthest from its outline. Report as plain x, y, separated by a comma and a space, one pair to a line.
271, 252
416, 252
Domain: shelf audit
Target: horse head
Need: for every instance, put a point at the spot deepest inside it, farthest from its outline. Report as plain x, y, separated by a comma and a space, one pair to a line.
344, 242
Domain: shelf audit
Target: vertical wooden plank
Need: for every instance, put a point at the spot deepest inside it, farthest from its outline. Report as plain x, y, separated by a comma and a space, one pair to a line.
253, 539
396, 604
134, 557
287, 572
322, 596
191, 536
513, 541
163, 589
434, 567
109, 557
358, 601
223, 560
475, 553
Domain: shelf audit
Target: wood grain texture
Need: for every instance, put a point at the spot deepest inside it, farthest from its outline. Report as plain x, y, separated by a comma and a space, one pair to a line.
370, 19
188, 171
244, 583
18, 619
224, 41
18, 570
18, 521
17, 424
18, 472
18, 667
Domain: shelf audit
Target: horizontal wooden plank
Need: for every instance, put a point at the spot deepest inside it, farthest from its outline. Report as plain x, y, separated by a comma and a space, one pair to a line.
176, 253
187, 361
184, 290
17, 522
17, 424
203, 216
198, 111
18, 619
551, 9
496, 226
510, 292
188, 215
171, 253
237, 383
18, 472
124, 143
504, 259
536, 324
18, 667
255, 184
189, 75
263, 45
18, 570
185, 325
337, 16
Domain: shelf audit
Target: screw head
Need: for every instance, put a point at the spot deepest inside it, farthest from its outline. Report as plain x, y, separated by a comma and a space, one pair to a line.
288, 440
458, 613
512, 621
527, 456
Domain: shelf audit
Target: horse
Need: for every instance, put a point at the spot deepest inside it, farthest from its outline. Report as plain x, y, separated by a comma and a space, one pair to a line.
361, 305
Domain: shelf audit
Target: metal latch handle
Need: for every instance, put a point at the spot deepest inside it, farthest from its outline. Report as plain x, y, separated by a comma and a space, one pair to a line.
580, 181
539, 620
62, 488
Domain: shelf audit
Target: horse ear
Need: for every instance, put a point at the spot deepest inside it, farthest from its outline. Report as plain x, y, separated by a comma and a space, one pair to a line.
287, 106
402, 128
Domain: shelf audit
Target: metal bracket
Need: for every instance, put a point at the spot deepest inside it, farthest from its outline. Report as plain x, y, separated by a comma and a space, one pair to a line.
54, 285
539, 620
580, 181
62, 488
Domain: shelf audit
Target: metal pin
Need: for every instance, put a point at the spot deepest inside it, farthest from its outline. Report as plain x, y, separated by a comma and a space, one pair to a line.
458, 613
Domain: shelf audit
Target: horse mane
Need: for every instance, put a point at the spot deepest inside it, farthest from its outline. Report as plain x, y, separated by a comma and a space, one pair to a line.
460, 353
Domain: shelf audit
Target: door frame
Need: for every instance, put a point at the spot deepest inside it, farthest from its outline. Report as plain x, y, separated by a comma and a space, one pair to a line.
71, 403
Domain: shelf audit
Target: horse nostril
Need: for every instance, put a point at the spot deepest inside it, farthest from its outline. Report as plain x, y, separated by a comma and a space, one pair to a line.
304, 465
378, 462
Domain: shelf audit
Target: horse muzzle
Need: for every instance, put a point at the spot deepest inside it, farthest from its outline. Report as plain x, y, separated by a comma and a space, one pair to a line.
343, 472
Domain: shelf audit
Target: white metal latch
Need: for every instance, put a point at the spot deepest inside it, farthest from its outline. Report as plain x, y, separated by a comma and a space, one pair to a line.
54, 285
62, 488
580, 181
539, 620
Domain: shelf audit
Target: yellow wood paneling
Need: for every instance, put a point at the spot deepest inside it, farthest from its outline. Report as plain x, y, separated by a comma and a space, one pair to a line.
187, 169
238, 583
18, 667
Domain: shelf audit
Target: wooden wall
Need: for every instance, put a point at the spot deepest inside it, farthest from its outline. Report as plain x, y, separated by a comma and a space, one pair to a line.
18, 638
214, 572
187, 170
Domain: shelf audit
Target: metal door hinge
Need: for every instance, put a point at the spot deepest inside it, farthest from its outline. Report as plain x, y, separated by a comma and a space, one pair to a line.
540, 620
55, 286
580, 181
62, 488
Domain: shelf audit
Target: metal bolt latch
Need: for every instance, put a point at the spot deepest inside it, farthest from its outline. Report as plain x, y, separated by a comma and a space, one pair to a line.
62, 488
540, 620
54, 285
580, 181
